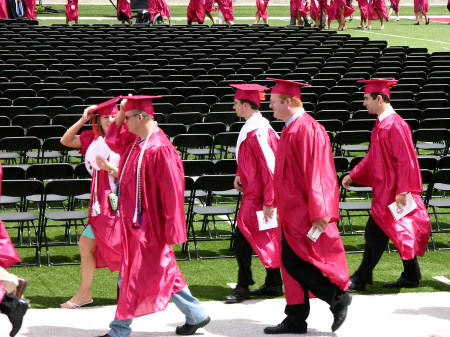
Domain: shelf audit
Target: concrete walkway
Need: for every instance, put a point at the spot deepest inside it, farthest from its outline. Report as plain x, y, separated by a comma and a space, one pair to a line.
398, 315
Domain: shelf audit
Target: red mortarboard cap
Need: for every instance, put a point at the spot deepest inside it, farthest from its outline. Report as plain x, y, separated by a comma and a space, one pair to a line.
251, 92
285, 87
103, 109
141, 102
379, 85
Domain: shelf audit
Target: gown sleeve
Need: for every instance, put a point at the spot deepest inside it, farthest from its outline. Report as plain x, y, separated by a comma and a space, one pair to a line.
117, 139
360, 173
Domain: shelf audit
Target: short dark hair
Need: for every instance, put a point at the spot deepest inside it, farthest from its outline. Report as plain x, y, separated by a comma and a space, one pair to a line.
385, 97
253, 105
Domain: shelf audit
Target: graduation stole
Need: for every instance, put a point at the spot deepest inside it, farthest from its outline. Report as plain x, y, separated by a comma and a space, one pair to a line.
137, 218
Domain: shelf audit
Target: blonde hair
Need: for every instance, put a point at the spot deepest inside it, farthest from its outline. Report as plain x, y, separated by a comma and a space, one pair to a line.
295, 101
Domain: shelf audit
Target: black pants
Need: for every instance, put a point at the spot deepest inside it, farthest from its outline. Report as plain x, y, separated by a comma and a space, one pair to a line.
244, 259
376, 242
310, 278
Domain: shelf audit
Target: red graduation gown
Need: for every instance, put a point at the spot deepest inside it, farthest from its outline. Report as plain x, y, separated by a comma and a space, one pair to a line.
72, 10
421, 5
394, 169
158, 6
106, 231
195, 11
299, 6
124, 7
8, 253
306, 188
226, 7
30, 9
364, 8
257, 181
261, 8
3, 10
149, 272
381, 5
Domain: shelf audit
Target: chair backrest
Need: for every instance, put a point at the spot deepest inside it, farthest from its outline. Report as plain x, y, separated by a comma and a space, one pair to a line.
197, 167
50, 171
22, 188
68, 187
13, 173
225, 166
214, 182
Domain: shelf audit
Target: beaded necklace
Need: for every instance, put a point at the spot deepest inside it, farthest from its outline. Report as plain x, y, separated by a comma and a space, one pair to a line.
137, 218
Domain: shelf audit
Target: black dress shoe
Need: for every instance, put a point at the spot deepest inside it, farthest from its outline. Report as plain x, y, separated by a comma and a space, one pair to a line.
339, 311
266, 290
355, 285
238, 295
401, 283
188, 329
104, 335
281, 329
16, 315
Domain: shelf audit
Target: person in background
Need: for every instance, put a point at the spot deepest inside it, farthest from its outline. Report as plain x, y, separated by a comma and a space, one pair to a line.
261, 11
392, 169
124, 11
226, 11
11, 287
195, 12
255, 155
151, 219
420, 11
30, 9
364, 11
307, 201
299, 11
394, 7
100, 241
72, 11
377, 11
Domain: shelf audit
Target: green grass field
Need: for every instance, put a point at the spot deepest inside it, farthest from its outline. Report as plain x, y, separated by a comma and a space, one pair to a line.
435, 36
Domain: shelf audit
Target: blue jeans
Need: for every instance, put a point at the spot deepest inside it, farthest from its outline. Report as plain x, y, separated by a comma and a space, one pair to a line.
185, 302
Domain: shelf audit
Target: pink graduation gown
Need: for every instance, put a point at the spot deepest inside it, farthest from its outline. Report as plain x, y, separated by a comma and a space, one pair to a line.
261, 8
299, 7
195, 11
208, 5
226, 7
394, 169
124, 7
381, 5
306, 188
336, 7
421, 6
158, 6
364, 8
106, 231
3, 10
149, 272
315, 10
257, 181
395, 4
8, 253
30, 9
72, 10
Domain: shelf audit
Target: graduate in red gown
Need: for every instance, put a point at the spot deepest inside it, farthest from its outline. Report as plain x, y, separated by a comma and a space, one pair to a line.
30, 9
195, 12
208, 5
394, 171
255, 154
394, 7
318, 12
261, 11
339, 10
420, 11
151, 218
226, 8
72, 11
160, 7
10, 305
100, 241
124, 10
377, 11
3, 10
364, 10
299, 10
307, 196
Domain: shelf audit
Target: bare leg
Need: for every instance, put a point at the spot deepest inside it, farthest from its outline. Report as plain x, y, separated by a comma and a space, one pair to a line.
341, 20
380, 16
87, 248
299, 19
266, 21
257, 18
209, 15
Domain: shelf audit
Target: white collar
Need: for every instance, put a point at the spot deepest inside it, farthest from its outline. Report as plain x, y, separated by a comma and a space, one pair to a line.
389, 111
299, 112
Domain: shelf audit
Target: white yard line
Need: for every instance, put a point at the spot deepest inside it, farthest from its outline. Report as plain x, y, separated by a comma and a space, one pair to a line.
442, 279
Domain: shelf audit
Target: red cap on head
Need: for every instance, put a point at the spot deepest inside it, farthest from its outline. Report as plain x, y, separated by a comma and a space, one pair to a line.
103, 109
251, 92
285, 87
141, 102
378, 85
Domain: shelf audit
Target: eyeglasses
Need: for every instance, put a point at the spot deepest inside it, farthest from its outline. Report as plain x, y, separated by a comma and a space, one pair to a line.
128, 117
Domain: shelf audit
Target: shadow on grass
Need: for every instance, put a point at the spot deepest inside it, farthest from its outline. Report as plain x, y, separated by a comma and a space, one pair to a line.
425, 286
43, 302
